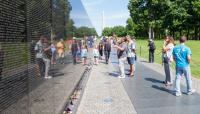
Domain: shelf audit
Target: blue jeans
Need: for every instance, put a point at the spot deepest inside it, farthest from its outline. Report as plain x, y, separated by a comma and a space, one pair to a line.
187, 73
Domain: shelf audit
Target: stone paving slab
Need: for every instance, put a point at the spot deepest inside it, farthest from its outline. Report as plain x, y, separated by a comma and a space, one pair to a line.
105, 94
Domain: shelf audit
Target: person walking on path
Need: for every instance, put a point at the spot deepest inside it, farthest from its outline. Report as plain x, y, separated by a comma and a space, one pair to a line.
167, 59
100, 50
96, 55
61, 51
152, 49
131, 48
182, 57
107, 50
84, 54
74, 50
122, 56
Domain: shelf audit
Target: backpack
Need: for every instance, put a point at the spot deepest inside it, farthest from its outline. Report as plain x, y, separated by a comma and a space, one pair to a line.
152, 46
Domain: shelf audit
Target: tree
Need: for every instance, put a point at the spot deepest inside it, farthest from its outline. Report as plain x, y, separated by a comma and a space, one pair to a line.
70, 28
107, 31
131, 27
118, 30
180, 17
85, 31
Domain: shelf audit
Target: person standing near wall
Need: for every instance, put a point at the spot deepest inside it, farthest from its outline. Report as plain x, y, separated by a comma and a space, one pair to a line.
61, 51
167, 59
100, 48
152, 49
47, 57
84, 54
182, 57
74, 50
53, 52
122, 56
40, 67
96, 55
107, 50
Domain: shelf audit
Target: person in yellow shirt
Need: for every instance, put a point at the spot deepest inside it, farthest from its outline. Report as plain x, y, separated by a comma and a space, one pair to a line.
61, 50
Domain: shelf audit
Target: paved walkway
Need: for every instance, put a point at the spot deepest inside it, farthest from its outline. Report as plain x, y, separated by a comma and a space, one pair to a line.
104, 93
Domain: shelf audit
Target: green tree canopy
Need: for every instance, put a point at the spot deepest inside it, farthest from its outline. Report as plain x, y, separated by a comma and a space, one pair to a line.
180, 17
85, 31
118, 30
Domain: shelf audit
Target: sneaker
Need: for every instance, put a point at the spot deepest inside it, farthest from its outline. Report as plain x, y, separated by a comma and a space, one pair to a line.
48, 77
121, 76
168, 84
178, 94
191, 92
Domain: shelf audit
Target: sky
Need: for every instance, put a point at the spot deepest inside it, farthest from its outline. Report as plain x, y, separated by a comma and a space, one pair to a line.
89, 13
79, 14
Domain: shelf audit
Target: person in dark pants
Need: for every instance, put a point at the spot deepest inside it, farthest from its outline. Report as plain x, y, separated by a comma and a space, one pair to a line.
40, 67
1, 61
167, 59
107, 49
100, 50
152, 49
74, 50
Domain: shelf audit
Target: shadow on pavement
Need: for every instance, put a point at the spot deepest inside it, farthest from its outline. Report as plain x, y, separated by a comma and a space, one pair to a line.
163, 89
114, 62
153, 80
144, 61
114, 74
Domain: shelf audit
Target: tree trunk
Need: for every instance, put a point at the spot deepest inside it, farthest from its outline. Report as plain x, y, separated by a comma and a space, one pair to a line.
151, 33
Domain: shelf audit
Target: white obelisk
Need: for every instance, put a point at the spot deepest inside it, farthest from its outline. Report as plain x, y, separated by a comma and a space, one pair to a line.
103, 22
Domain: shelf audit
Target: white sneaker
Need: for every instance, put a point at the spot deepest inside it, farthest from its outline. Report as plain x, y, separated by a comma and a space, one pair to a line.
121, 76
178, 94
48, 77
191, 92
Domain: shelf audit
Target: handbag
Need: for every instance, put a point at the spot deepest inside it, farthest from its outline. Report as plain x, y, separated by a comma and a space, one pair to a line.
165, 58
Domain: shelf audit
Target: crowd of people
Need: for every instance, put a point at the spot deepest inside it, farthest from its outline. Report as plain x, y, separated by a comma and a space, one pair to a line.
54, 52
126, 52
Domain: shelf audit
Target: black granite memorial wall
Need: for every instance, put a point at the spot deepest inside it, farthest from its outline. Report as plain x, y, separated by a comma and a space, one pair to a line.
22, 22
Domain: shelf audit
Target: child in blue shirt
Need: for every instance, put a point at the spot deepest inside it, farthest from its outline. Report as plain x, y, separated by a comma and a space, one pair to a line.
96, 55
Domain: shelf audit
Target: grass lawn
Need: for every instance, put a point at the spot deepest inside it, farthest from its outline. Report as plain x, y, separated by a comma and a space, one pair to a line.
194, 45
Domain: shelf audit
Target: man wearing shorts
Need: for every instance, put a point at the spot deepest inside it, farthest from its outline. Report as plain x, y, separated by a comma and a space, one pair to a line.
131, 54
